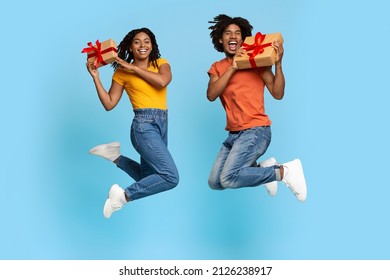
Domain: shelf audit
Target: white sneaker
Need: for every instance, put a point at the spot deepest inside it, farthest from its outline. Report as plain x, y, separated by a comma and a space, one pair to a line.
295, 179
272, 187
109, 151
115, 201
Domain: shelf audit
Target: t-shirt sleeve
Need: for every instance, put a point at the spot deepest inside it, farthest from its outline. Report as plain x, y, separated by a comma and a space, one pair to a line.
119, 76
162, 61
213, 70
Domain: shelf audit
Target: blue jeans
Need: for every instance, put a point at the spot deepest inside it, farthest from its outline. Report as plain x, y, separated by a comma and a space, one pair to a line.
156, 171
235, 166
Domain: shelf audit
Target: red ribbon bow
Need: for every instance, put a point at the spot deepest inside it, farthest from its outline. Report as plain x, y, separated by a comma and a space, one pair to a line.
256, 48
96, 51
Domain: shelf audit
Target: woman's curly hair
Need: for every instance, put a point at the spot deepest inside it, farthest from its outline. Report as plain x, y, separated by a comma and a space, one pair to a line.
124, 47
221, 22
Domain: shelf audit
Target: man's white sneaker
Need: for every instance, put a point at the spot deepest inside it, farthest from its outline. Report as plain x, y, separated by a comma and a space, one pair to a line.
271, 187
109, 151
115, 201
295, 179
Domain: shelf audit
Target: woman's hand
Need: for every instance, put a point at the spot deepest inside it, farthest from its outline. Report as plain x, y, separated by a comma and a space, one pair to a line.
124, 64
92, 69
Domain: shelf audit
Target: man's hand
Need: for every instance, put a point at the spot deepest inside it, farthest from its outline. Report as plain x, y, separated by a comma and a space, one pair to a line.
278, 46
239, 53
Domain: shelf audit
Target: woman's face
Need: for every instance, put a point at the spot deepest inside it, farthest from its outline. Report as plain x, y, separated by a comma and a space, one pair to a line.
141, 46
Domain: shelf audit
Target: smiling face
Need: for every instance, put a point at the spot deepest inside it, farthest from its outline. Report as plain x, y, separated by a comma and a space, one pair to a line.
141, 46
231, 39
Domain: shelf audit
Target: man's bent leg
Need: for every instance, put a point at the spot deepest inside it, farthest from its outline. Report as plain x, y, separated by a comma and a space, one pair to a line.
238, 170
214, 177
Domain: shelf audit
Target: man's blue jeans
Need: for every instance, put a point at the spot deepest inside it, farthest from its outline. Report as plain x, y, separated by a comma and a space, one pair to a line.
235, 166
156, 171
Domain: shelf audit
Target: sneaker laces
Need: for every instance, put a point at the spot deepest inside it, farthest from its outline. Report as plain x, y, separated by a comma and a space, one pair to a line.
291, 189
285, 169
116, 206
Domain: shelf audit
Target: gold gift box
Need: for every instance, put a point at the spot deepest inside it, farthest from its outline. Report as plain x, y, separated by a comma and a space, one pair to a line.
261, 43
102, 53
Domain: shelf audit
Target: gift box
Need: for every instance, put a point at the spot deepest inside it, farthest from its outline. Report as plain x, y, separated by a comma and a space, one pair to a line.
259, 51
102, 53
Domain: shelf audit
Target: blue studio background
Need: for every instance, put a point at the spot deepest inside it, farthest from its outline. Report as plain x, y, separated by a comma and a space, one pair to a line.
333, 117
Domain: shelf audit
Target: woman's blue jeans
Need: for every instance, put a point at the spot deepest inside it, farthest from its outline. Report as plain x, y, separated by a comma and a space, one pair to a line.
156, 171
235, 166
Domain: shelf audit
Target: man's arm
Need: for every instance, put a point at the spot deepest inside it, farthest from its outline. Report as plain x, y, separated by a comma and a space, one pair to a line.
275, 83
217, 85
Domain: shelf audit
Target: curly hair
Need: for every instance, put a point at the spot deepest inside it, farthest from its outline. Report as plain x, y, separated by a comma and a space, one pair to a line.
221, 22
124, 47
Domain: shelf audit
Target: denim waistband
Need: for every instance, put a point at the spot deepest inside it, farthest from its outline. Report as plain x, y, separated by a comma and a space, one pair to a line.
151, 112
238, 131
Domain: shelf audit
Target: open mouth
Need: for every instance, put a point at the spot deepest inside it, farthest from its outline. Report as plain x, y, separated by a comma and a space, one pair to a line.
142, 51
232, 45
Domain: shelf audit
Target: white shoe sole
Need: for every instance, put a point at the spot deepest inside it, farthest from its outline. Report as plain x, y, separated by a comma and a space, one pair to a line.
107, 211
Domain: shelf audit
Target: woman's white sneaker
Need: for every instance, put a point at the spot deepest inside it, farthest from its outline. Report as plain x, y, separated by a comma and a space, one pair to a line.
109, 151
294, 178
115, 201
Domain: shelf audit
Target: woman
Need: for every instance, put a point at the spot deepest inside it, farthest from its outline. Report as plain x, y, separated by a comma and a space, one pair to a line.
144, 75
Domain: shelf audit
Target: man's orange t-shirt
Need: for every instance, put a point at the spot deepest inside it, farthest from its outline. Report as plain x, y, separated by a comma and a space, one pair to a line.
243, 97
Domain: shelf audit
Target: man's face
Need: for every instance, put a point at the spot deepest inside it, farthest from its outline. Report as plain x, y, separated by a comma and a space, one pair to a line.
231, 39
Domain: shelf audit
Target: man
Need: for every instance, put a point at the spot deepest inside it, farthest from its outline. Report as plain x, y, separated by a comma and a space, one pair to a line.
242, 95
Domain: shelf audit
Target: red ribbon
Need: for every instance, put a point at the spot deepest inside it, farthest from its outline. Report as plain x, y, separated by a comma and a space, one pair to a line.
96, 51
256, 48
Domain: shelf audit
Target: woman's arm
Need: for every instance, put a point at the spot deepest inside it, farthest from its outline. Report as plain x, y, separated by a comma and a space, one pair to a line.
108, 99
159, 80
